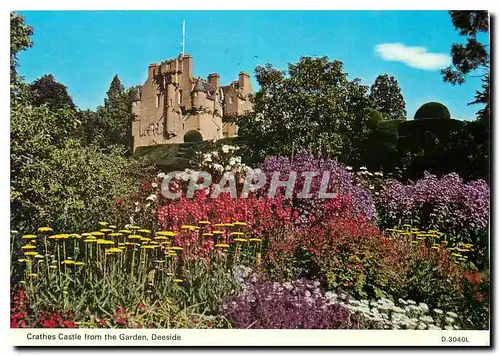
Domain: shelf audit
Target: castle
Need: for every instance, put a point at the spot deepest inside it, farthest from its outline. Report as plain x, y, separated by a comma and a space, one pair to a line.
172, 103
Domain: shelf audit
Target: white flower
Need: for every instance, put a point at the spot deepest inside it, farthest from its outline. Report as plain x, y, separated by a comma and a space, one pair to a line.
161, 175
154, 185
152, 197
225, 149
218, 167
371, 187
438, 311
362, 168
349, 168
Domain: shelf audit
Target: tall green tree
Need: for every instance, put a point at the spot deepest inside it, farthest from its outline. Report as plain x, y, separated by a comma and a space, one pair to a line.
47, 91
313, 106
20, 40
386, 97
471, 58
111, 123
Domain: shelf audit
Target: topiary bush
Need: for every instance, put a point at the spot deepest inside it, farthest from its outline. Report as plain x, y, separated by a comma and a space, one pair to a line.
432, 110
193, 136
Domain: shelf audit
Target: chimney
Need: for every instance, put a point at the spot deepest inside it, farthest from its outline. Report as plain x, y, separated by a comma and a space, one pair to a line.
151, 69
187, 64
244, 81
214, 79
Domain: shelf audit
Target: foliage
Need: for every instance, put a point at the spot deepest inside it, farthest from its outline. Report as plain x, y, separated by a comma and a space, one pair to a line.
386, 97
111, 123
358, 200
20, 40
314, 107
432, 110
472, 57
47, 91
447, 204
300, 304
193, 136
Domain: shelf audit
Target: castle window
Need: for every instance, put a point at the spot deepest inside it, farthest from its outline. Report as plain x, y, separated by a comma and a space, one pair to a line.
231, 100
195, 94
170, 100
180, 97
157, 100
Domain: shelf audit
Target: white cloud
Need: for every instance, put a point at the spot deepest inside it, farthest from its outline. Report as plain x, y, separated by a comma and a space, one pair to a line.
415, 57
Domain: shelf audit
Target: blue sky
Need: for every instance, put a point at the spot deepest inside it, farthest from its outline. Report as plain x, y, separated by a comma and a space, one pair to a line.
85, 49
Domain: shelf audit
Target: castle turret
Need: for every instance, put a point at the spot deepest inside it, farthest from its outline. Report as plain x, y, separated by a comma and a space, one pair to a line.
214, 79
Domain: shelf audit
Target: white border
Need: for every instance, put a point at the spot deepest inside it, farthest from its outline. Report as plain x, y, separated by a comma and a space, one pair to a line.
238, 337
193, 4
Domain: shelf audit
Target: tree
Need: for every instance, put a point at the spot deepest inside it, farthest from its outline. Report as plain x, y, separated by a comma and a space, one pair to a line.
20, 40
432, 110
472, 58
314, 106
116, 89
386, 96
111, 123
47, 91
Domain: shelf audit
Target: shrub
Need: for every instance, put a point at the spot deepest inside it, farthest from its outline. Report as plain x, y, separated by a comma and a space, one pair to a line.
447, 204
193, 136
293, 305
432, 110
356, 200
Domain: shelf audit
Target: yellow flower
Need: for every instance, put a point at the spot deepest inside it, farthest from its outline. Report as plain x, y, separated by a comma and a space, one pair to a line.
125, 231
103, 223
80, 263
148, 247
220, 225
112, 226
217, 232
414, 242
44, 229
189, 227
14, 232
166, 233
115, 234
240, 223
178, 280
28, 247
39, 256
114, 250
105, 242
32, 275
146, 231
238, 233
22, 260
134, 227
240, 240
407, 225
228, 225
75, 236
86, 234
106, 230
435, 247
468, 245
172, 253
145, 239
135, 237
176, 248
97, 233
207, 234
463, 250
222, 245
161, 238
204, 222
463, 258
90, 240
68, 262
132, 244
31, 253
258, 259
255, 240
456, 255
121, 244
421, 238
29, 237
